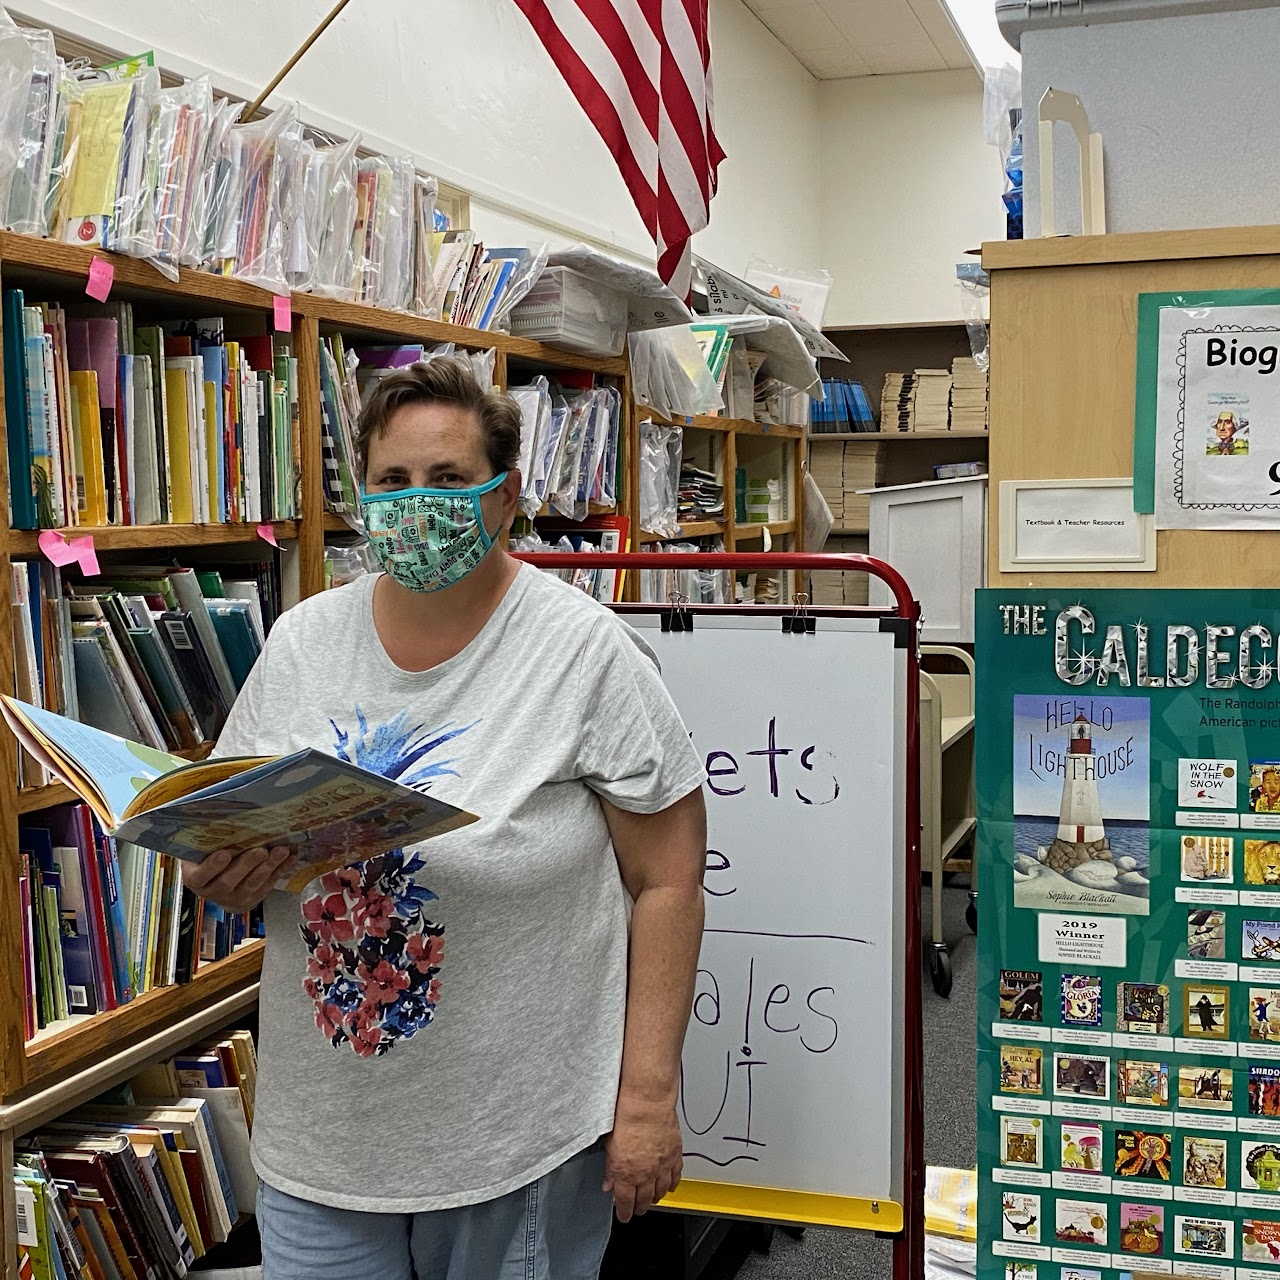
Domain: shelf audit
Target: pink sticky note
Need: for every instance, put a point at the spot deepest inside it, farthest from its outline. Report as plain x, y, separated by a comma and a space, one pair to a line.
268, 534
58, 550
101, 277
283, 309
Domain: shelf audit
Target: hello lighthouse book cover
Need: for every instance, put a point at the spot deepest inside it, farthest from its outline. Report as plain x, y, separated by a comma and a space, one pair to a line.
1082, 804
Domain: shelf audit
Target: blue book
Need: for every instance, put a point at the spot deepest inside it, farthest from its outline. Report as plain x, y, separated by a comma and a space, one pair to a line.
22, 494
499, 288
117, 936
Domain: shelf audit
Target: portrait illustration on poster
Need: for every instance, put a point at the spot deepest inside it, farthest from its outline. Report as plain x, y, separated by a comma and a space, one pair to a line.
1081, 798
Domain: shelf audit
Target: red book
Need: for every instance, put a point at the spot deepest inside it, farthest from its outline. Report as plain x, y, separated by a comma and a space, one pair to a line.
96, 902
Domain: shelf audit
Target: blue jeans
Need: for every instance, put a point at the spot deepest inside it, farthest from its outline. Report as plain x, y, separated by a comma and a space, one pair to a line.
553, 1229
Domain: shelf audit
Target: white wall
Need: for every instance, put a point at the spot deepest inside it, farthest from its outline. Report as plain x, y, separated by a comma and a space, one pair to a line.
907, 186
467, 88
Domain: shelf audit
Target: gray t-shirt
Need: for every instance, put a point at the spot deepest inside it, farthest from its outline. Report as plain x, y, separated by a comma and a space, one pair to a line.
442, 1025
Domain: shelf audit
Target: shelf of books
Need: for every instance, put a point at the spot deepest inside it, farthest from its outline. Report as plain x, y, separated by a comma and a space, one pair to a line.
187, 460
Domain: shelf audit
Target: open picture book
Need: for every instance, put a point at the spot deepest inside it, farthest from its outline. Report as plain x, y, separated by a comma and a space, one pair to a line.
330, 812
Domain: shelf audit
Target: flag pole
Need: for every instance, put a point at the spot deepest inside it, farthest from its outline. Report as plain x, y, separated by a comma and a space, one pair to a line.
288, 66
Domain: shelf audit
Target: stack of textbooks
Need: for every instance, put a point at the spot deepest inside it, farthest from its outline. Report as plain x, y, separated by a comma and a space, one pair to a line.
839, 589
701, 495
845, 408
112, 423
897, 403
968, 395
146, 1180
105, 921
156, 655
932, 400
841, 472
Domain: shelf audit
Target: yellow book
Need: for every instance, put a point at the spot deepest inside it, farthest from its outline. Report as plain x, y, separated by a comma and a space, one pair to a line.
86, 428
175, 382
170, 1166
159, 1082
213, 446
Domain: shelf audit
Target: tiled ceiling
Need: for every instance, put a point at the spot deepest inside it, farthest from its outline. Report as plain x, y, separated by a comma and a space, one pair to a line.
836, 39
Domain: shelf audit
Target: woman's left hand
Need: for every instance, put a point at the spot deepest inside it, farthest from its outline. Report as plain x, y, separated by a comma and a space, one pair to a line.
642, 1160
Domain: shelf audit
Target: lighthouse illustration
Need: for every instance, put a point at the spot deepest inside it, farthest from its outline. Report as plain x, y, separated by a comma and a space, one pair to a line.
1081, 836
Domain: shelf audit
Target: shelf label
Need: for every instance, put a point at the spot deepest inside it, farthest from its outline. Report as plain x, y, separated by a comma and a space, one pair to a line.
102, 276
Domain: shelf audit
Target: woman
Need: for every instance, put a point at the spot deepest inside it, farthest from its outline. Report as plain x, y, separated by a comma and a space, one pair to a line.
448, 1030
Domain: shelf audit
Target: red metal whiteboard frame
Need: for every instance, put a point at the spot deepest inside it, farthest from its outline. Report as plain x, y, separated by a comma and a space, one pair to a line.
908, 1247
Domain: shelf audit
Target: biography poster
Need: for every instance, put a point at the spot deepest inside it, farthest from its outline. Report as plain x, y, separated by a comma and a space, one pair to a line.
1129, 941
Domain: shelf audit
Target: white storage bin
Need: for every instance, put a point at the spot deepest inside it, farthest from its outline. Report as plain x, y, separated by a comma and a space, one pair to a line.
1184, 93
570, 310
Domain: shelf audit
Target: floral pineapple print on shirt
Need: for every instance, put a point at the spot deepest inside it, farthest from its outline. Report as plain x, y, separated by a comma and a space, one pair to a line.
373, 956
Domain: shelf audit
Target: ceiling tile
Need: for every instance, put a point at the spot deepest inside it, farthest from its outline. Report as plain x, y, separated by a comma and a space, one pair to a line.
802, 27
937, 21
887, 60
840, 62
876, 21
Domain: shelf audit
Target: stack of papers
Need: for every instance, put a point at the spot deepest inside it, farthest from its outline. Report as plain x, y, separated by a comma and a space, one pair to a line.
968, 395
897, 403
701, 495
932, 400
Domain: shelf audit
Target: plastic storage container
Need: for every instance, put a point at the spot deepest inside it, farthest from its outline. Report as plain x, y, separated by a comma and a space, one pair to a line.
1184, 93
569, 310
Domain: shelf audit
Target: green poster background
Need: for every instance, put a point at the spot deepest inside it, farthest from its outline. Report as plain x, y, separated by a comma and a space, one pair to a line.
1149, 729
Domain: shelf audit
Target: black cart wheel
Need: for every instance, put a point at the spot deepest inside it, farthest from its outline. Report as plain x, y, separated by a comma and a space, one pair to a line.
940, 968
971, 913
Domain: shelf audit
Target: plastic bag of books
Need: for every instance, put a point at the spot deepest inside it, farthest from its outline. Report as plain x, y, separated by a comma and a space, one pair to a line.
16, 66
670, 374
328, 218
248, 240
426, 301
482, 365
65, 150
661, 448
27, 212
179, 137
382, 239
109, 203
608, 478
210, 190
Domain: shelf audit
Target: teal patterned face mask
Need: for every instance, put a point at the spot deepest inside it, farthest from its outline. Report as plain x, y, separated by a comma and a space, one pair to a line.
428, 539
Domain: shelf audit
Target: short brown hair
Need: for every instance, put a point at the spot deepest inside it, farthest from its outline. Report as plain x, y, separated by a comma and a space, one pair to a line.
444, 380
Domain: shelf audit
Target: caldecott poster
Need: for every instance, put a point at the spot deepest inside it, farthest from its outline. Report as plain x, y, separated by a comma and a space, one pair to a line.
1217, 418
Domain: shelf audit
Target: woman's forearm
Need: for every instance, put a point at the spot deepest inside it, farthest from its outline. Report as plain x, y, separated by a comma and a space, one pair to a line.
666, 934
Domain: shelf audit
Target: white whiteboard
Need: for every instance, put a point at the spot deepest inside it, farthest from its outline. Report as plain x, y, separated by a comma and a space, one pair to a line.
792, 1071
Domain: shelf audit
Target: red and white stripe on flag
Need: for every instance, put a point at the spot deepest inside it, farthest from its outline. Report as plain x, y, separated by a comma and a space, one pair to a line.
641, 70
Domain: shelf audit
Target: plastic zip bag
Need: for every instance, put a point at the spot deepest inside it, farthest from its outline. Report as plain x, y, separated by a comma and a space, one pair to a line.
660, 447
27, 209
336, 222
248, 239
66, 148
425, 300
212, 188
179, 138
382, 236
530, 264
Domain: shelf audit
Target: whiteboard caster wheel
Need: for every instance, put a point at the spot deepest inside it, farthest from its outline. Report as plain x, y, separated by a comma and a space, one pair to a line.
971, 913
940, 969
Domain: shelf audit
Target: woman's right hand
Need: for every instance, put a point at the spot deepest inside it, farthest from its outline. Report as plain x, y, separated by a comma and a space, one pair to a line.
237, 881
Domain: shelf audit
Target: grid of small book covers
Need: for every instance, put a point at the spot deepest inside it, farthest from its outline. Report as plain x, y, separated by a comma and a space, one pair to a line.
147, 1179
1129, 1017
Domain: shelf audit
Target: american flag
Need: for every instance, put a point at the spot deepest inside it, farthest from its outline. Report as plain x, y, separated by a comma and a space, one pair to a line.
641, 70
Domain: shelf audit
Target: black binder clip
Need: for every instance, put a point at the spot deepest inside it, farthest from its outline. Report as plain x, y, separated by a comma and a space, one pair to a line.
801, 622
677, 618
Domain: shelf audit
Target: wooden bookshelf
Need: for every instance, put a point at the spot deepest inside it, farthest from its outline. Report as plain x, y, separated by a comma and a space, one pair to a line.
47, 270
739, 426
776, 529
916, 437
693, 529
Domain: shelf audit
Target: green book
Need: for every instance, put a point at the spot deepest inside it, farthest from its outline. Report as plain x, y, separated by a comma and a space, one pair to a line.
210, 581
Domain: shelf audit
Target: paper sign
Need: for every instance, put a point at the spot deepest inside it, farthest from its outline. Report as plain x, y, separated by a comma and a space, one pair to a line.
1089, 522
58, 550
282, 307
1076, 939
101, 277
268, 534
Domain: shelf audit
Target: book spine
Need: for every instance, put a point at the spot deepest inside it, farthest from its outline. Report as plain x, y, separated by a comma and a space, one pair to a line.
109, 868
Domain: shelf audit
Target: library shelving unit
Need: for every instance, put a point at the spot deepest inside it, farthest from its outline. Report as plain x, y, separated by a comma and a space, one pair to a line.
69, 1062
